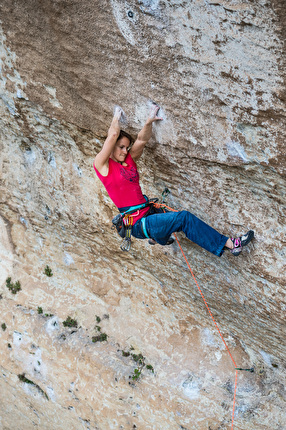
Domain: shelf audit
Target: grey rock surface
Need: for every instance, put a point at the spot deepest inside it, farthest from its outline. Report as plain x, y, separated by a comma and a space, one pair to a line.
217, 70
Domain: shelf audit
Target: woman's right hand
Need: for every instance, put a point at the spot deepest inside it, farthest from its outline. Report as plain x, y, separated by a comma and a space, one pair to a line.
114, 128
117, 113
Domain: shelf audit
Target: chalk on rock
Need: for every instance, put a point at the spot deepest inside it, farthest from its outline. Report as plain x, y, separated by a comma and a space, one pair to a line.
123, 117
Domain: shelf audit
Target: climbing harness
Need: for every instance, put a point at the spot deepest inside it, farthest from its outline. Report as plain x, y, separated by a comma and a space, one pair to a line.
143, 224
123, 222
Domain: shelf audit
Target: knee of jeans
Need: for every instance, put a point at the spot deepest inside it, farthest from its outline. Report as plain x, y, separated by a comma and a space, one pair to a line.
186, 217
181, 218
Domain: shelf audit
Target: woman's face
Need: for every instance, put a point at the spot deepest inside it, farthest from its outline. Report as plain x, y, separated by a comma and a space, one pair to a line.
120, 150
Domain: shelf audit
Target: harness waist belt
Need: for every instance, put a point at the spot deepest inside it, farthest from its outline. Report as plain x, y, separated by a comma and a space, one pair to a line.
130, 209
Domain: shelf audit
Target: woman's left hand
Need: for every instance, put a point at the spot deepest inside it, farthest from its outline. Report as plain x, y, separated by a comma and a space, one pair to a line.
153, 114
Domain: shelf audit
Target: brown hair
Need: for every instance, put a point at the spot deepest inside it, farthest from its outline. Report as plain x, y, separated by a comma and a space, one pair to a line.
124, 134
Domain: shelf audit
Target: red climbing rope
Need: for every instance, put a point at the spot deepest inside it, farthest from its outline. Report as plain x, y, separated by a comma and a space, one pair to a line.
163, 206
205, 302
214, 321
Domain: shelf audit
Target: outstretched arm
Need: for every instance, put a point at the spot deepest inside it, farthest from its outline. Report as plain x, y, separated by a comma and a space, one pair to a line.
101, 160
145, 134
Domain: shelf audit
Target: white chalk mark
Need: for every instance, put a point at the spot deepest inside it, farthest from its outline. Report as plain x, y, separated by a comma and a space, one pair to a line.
53, 99
68, 260
191, 387
235, 149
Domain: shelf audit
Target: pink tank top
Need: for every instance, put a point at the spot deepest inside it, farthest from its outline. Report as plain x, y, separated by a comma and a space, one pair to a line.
122, 185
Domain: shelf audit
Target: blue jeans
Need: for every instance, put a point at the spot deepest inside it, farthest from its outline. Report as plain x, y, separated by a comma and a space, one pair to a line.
160, 226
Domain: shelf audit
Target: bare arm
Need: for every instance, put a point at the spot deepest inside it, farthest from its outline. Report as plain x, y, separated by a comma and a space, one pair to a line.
102, 158
145, 134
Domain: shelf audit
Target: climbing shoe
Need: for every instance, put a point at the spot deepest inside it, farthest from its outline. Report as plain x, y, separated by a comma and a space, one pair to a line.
239, 242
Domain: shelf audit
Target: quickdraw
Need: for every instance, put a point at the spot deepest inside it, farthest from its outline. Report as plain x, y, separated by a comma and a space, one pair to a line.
128, 222
165, 194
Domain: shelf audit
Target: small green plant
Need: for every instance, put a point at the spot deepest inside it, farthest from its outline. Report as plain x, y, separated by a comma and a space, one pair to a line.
14, 288
149, 367
138, 358
100, 338
69, 322
136, 375
49, 315
97, 327
98, 319
9, 346
23, 378
3, 326
48, 271
40, 310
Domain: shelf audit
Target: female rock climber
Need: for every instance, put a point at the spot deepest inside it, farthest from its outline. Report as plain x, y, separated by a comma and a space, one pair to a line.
115, 165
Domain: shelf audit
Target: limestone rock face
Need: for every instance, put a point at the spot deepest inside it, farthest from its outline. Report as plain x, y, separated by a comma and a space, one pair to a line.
217, 70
